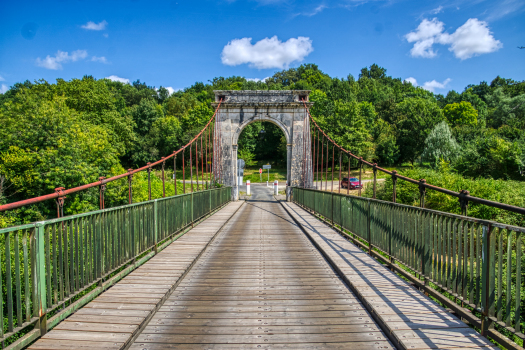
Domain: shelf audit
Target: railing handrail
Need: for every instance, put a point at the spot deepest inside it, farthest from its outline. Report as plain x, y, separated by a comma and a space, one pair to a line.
426, 210
98, 211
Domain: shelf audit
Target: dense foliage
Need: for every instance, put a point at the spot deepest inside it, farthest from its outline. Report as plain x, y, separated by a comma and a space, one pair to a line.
72, 132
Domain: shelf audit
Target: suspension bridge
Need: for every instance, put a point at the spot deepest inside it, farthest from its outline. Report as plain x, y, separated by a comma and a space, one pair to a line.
201, 269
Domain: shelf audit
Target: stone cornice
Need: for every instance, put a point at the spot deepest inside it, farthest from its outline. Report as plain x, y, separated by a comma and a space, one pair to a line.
290, 105
261, 96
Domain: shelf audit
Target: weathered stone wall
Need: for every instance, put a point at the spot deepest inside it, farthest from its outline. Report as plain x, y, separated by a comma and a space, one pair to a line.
283, 108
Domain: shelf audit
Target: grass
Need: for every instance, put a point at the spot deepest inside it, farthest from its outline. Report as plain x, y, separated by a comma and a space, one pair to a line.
253, 175
279, 174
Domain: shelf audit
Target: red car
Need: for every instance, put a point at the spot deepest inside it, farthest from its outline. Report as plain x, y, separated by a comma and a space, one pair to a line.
354, 183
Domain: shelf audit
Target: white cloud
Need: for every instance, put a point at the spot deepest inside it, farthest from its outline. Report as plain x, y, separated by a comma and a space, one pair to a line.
2, 78
61, 57
429, 85
266, 53
257, 79
115, 78
101, 59
437, 10
425, 36
94, 26
433, 85
504, 8
471, 39
314, 12
3, 89
411, 80
105, 35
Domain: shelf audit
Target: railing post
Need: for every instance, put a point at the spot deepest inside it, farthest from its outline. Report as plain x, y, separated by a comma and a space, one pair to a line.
463, 201
163, 180
360, 171
375, 180
369, 228
155, 224
183, 173
331, 207
39, 279
394, 185
102, 189
60, 201
130, 192
340, 169
175, 171
488, 265
426, 249
391, 217
191, 208
149, 181
422, 192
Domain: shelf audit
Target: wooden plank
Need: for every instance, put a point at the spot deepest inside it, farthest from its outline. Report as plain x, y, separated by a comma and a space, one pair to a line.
262, 314
272, 303
379, 345
261, 322
261, 308
87, 336
54, 344
268, 338
229, 330
96, 327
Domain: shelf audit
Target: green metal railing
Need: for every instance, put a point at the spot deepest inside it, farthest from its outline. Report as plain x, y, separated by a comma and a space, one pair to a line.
472, 266
51, 268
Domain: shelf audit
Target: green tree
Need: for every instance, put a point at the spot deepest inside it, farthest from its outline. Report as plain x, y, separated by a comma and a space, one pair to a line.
50, 145
415, 118
491, 156
347, 123
387, 151
507, 110
166, 135
440, 145
247, 156
461, 114
375, 72
145, 114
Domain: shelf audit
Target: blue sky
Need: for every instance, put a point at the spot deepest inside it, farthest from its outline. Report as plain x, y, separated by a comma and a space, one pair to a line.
441, 45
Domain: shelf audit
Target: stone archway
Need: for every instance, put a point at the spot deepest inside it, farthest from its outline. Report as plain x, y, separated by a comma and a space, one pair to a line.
283, 108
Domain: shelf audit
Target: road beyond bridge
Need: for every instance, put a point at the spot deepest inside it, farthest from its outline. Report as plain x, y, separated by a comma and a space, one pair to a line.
262, 275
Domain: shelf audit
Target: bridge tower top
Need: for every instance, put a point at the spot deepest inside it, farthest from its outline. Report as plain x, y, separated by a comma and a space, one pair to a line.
262, 97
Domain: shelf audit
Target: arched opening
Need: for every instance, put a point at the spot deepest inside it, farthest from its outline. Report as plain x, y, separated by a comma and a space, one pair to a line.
261, 143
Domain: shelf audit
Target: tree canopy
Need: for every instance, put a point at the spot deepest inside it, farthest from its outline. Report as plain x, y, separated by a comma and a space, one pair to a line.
69, 133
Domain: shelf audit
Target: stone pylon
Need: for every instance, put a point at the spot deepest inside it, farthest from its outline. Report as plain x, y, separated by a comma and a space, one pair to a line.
286, 109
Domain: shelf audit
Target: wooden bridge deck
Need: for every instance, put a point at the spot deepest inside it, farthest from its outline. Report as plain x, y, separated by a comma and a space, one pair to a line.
262, 284
257, 281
